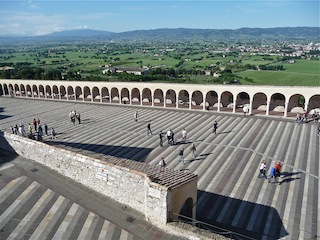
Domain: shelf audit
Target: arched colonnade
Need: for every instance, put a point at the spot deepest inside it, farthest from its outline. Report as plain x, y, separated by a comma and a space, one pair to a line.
266, 100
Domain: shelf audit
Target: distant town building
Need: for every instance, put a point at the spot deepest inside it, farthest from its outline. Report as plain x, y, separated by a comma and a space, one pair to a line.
129, 70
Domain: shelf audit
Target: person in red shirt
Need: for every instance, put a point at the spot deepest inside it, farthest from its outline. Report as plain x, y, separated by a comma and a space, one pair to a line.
277, 168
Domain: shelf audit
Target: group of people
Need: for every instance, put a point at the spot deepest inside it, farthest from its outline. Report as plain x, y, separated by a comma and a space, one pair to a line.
35, 130
304, 117
73, 116
171, 140
275, 172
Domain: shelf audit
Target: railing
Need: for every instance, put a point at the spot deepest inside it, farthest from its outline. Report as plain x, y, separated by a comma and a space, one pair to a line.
212, 228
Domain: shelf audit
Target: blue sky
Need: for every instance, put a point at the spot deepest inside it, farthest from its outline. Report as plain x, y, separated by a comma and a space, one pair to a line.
43, 17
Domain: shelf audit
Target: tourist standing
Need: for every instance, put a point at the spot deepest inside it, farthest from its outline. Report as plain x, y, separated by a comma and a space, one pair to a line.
180, 156
193, 149
30, 128
149, 132
184, 135
136, 115
215, 126
53, 133
161, 140
35, 124
45, 129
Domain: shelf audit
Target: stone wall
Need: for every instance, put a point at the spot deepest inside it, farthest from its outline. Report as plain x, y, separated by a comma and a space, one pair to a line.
126, 186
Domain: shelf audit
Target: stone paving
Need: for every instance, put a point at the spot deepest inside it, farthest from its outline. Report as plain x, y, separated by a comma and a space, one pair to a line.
230, 195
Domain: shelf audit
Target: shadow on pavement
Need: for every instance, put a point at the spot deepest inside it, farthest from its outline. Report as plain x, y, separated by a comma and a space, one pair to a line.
249, 219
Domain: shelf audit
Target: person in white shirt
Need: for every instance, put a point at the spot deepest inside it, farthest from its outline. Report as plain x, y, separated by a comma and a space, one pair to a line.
184, 135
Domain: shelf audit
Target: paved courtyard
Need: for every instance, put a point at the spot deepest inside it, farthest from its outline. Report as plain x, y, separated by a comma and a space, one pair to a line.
229, 193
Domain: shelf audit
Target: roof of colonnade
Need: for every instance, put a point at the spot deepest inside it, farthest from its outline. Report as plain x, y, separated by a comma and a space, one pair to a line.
287, 91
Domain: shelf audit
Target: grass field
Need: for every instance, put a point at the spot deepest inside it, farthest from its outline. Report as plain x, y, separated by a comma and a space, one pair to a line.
300, 73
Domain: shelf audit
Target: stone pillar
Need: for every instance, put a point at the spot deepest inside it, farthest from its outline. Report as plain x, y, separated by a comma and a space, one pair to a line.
268, 106
234, 105
130, 98
204, 103
306, 106
285, 114
177, 100
190, 101
250, 107
219, 102
152, 99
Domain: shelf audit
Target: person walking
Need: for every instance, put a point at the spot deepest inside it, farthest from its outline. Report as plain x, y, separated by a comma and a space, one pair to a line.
136, 115
180, 156
78, 117
193, 149
272, 175
35, 124
30, 128
161, 140
172, 138
262, 170
215, 126
169, 133
149, 132
162, 163
184, 135
53, 133
277, 168
45, 126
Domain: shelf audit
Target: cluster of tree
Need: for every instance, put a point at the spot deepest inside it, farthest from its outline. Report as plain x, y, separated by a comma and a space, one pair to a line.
271, 67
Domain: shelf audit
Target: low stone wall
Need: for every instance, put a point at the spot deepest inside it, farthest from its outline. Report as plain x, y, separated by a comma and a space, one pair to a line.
130, 187
126, 186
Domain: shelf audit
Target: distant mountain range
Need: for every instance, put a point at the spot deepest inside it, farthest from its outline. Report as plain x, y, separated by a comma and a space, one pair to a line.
281, 33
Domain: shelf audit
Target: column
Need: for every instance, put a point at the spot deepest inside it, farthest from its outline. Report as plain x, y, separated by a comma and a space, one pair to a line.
306, 106
190, 102
268, 106
152, 99
204, 104
285, 109
250, 108
177, 101
219, 102
234, 105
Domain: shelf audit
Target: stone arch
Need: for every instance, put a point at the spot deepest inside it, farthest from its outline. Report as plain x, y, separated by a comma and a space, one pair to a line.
55, 91
186, 210
212, 100
78, 93
158, 97
17, 90
259, 103
170, 98
146, 96
35, 92
183, 99
87, 94
41, 91
6, 89
114, 95
243, 99
22, 90
48, 92
296, 103
125, 98
314, 103
63, 92
96, 94
226, 101
135, 96
196, 99
29, 91
70, 94
105, 97
277, 104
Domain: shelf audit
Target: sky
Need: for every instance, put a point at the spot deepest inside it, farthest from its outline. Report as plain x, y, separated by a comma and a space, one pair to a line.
34, 18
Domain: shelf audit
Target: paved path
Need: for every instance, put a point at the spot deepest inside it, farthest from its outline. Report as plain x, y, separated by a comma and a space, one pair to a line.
229, 193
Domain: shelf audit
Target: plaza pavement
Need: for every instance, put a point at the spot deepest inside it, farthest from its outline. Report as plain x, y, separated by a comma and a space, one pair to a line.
229, 193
